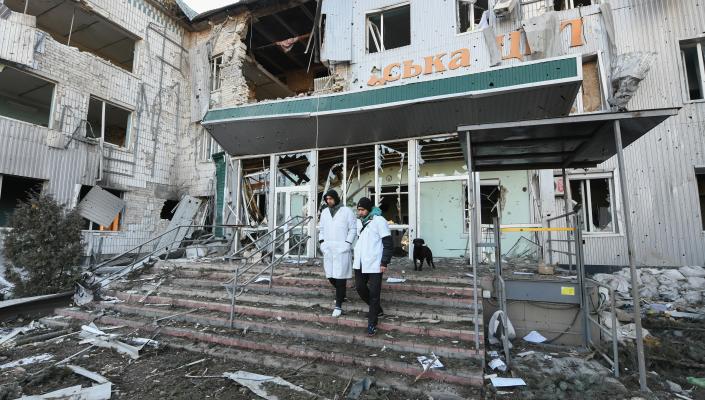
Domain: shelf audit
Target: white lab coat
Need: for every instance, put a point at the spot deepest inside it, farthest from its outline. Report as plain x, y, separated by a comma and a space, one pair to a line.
368, 249
337, 234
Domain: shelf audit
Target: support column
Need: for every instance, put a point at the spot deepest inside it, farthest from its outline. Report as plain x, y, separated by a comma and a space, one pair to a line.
474, 221
313, 203
378, 165
412, 185
629, 233
345, 177
236, 200
272, 203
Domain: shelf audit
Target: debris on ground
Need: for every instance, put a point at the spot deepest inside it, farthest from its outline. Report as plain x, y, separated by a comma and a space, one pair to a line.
259, 384
360, 387
28, 360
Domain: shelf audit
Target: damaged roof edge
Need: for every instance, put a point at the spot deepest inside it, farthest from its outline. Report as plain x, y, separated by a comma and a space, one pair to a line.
193, 12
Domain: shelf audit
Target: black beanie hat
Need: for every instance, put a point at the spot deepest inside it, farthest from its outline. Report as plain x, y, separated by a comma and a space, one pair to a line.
332, 193
365, 203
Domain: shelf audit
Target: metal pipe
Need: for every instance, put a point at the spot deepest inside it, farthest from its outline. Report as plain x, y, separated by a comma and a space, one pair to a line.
73, 15
26, 4
632, 258
567, 220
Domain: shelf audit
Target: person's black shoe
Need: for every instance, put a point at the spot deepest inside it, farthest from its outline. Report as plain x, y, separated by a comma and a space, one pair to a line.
371, 330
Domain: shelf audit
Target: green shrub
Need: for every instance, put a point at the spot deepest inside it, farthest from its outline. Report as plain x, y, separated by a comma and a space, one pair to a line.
43, 248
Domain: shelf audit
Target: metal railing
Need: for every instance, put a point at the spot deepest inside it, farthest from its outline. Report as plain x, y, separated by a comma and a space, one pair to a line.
501, 289
612, 332
266, 247
569, 239
162, 244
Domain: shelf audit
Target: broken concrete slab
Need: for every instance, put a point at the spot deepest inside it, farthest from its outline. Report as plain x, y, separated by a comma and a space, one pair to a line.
97, 392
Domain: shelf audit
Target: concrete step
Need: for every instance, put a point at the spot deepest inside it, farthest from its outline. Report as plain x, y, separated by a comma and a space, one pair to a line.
283, 280
329, 292
399, 310
332, 335
457, 277
355, 350
320, 316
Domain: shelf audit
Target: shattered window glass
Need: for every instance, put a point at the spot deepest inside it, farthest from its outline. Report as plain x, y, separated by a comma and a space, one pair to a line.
595, 198
293, 170
700, 176
389, 29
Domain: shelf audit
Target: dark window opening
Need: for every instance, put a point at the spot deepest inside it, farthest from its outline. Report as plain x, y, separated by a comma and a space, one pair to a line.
700, 177
168, 209
394, 206
694, 65
117, 122
489, 203
89, 32
25, 97
216, 65
389, 29
13, 190
568, 4
92, 226
469, 14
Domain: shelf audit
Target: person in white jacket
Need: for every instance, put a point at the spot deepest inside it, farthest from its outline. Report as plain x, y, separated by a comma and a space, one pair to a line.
336, 237
373, 252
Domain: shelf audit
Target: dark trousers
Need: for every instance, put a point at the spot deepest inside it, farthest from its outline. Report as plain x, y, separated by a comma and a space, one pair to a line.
369, 287
340, 286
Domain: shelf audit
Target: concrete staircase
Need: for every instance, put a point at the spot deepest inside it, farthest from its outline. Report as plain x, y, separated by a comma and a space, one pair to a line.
424, 315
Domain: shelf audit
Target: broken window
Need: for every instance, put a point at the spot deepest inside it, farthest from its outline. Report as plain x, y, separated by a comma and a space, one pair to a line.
92, 226
389, 28
277, 63
70, 23
700, 177
489, 203
568, 4
255, 190
108, 121
25, 97
595, 195
293, 170
207, 146
13, 190
168, 209
469, 14
693, 55
216, 65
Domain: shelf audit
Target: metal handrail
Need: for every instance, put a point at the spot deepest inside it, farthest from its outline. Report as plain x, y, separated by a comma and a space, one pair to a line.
254, 242
139, 257
502, 290
232, 285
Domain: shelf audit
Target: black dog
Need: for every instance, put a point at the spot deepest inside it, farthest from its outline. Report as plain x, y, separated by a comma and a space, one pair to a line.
421, 253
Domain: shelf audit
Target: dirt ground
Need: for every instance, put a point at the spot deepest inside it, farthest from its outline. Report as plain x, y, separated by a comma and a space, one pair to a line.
675, 350
167, 372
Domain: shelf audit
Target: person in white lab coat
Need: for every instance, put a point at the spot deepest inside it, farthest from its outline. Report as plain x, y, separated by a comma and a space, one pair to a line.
373, 252
336, 237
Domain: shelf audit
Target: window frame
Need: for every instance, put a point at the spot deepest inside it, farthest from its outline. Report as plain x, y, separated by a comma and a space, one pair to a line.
700, 171
101, 138
472, 18
52, 105
381, 12
586, 197
216, 70
208, 146
699, 44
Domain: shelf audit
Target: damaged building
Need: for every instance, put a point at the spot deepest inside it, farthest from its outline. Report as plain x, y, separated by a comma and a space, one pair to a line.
517, 134
130, 109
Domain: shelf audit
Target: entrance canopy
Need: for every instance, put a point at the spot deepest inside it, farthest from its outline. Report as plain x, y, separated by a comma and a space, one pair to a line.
526, 91
579, 141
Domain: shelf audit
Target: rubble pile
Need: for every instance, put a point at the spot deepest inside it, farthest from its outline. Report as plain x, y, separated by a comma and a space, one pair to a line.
684, 287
